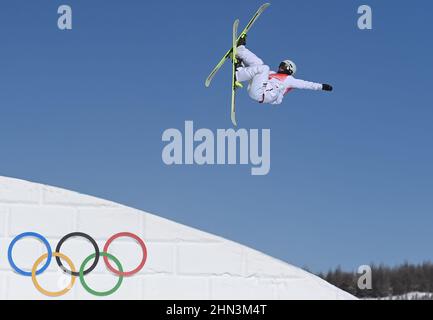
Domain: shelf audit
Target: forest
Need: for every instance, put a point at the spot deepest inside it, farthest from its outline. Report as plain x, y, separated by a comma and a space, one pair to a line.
386, 281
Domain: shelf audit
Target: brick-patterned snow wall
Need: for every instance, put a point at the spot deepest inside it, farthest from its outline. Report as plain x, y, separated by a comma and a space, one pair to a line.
183, 263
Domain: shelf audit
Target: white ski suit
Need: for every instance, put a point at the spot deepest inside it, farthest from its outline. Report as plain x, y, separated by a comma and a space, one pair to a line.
267, 86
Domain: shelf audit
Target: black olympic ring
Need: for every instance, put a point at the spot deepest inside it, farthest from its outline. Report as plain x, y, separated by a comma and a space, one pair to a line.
94, 244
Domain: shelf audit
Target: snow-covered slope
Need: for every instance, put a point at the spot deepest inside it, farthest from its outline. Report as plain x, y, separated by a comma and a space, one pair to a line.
182, 263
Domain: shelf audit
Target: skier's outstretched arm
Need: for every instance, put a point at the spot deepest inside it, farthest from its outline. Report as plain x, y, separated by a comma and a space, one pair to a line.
307, 85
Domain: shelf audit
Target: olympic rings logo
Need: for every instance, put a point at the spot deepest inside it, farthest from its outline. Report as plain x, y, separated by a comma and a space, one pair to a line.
72, 271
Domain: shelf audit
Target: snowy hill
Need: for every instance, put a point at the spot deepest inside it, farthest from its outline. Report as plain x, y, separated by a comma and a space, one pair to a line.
182, 263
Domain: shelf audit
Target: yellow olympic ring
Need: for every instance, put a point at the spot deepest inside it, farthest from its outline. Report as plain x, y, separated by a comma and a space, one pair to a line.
49, 293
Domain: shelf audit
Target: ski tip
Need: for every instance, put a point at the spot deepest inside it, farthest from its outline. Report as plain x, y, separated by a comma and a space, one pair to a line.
234, 120
207, 83
264, 7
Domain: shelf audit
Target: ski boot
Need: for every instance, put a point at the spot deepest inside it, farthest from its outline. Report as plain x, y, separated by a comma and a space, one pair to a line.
238, 64
238, 85
242, 40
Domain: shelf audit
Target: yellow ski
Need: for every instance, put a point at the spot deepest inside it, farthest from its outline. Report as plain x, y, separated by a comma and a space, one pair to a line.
234, 60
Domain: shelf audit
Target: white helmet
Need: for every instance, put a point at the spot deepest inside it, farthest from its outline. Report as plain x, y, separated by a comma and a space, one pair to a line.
288, 66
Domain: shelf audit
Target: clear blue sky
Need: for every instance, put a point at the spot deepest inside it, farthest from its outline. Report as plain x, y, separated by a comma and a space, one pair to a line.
352, 171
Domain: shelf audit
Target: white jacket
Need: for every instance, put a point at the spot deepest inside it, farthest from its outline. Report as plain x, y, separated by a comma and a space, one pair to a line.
267, 86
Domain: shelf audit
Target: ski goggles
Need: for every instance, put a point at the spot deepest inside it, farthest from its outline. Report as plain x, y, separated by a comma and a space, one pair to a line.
82, 271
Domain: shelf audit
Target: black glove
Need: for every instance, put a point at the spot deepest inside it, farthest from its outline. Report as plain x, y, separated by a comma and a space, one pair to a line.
327, 87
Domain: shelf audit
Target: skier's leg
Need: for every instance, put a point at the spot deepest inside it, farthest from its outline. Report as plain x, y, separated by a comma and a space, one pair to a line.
255, 71
257, 84
259, 73
254, 66
248, 58
258, 76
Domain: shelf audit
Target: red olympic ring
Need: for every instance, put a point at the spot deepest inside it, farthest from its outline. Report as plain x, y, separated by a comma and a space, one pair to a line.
143, 248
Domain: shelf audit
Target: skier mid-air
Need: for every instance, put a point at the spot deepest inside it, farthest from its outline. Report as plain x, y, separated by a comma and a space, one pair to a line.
266, 86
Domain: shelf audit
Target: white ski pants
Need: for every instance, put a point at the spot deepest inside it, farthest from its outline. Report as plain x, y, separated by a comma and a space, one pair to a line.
255, 71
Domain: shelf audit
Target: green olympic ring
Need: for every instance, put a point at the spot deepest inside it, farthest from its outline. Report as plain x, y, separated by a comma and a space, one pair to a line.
86, 286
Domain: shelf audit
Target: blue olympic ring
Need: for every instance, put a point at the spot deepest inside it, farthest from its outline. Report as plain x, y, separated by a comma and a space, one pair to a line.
27, 235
